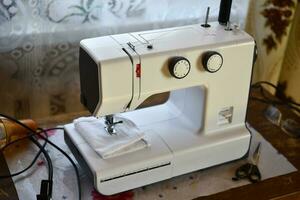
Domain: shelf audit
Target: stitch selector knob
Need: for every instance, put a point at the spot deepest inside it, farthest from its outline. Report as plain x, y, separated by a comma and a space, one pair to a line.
179, 67
212, 61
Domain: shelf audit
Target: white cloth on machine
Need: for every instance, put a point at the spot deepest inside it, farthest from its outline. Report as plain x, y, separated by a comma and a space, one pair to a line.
129, 137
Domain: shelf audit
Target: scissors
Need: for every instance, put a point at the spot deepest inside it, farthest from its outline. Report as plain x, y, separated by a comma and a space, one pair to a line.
250, 170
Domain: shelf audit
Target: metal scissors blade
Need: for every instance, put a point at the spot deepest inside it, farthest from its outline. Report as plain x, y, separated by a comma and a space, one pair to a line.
256, 154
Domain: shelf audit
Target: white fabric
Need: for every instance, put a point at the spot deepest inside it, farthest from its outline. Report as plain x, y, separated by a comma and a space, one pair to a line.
127, 139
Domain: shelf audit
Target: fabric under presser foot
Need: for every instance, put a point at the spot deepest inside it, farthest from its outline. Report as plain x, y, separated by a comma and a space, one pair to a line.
128, 137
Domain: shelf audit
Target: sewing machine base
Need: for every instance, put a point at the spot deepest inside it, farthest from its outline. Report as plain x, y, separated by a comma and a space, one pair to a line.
179, 144
156, 163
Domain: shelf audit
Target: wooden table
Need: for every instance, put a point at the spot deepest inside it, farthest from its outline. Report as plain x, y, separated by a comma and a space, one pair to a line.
286, 187
7, 189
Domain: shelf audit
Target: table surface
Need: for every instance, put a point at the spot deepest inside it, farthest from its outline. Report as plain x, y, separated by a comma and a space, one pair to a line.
286, 187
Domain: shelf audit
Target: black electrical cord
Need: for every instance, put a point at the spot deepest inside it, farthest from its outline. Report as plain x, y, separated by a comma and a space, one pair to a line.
49, 161
34, 159
29, 166
71, 161
265, 99
29, 135
42, 150
55, 146
260, 84
49, 182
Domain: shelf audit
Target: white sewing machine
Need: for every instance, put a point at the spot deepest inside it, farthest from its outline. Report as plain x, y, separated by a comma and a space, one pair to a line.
208, 73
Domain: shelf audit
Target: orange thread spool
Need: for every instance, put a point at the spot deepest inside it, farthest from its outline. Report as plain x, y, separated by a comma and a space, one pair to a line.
10, 131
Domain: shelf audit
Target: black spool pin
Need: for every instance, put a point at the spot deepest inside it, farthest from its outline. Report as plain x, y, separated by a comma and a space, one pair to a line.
224, 13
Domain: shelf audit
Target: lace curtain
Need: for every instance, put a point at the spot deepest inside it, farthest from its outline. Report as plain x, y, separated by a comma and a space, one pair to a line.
39, 44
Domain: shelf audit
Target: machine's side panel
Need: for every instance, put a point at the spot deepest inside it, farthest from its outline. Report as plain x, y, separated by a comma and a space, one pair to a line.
113, 76
89, 81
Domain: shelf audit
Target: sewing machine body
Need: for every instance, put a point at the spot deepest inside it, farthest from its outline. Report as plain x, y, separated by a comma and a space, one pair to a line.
201, 125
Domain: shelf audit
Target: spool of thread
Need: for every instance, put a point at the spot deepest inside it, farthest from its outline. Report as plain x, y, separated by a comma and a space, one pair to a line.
10, 131
225, 10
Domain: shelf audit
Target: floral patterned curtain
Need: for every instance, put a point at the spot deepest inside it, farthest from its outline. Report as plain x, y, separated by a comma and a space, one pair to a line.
39, 44
290, 75
275, 26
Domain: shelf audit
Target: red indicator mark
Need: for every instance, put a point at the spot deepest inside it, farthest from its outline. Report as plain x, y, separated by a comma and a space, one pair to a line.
138, 70
122, 196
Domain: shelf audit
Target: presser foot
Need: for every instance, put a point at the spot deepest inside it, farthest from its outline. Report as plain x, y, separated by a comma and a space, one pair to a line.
110, 124
111, 130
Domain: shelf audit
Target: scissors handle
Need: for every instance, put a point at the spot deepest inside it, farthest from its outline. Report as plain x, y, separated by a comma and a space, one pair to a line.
249, 171
255, 175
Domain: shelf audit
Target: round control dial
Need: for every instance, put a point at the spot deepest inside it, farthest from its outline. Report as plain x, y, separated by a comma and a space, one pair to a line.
212, 61
179, 67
